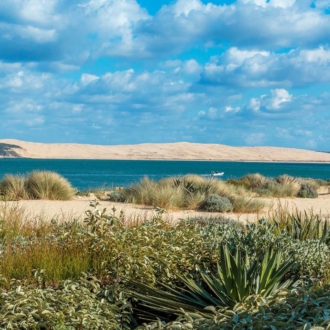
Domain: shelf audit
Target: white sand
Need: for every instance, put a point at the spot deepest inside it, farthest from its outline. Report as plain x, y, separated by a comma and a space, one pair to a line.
182, 150
76, 208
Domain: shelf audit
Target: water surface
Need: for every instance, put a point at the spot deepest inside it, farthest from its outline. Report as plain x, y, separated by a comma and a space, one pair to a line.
111, 173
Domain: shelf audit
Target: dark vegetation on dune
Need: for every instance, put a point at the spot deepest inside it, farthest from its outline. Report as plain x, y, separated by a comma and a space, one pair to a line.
6, 150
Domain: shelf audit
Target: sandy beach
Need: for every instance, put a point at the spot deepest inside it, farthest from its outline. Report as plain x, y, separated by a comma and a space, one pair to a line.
168, 151
76, 208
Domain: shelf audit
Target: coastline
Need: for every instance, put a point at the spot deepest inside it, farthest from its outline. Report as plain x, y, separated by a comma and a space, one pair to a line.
180, 151
178, 160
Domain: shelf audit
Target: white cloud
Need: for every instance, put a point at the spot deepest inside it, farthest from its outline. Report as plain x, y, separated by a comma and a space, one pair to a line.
252, 68
277, 99
231, 109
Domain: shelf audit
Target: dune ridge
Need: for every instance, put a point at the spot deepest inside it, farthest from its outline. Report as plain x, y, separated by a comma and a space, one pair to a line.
165, 151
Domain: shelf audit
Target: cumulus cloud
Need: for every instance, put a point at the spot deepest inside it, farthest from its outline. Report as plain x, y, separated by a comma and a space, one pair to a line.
257, 68
199, 71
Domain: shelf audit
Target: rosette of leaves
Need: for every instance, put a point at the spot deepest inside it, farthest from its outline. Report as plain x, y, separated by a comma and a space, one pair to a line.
235, 280
290, 310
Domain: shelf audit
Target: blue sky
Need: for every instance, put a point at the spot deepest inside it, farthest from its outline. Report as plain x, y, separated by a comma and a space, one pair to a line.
244, 72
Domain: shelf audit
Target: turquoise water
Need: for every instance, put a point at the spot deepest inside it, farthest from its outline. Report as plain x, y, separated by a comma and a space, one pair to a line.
97, 173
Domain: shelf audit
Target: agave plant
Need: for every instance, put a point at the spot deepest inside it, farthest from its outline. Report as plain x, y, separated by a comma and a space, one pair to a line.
303, 226
236, 279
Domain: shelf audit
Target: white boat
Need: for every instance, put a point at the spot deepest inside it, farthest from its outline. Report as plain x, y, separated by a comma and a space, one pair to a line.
217, 173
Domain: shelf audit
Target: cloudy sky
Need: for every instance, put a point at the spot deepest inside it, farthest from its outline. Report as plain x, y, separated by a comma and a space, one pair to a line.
244, 72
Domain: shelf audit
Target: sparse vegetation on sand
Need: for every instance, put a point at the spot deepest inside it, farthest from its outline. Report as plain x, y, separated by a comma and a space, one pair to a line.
37, 185
108, 274
282, 186
191, 192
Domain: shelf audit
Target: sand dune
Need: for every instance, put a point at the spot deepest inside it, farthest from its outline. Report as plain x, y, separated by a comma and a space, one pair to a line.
169, 151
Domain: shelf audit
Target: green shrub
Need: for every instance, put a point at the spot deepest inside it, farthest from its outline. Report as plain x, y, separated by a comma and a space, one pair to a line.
299, 308
215, 203
13, 187
73, 305
117, 197
48, 185
307, 191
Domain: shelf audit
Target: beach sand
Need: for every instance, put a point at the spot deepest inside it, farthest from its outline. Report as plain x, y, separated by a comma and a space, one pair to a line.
75, 209
168, 151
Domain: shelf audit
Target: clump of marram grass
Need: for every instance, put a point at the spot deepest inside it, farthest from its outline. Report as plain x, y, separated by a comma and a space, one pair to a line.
280, 187
179, 192
12, 187
48, 185
243, 204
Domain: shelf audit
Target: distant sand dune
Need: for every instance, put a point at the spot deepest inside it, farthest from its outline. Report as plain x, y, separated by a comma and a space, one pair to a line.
167, 151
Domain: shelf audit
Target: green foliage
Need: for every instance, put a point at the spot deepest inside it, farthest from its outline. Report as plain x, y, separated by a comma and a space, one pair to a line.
289, 309
6, 150
180, 260
13, 187
73, 305
117, 197
302, 226
48, 185
235, 280
282, 186
215, 203
307, 191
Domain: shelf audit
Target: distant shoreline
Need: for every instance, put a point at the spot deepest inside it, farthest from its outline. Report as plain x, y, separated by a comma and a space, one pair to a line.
179, 151
177, 160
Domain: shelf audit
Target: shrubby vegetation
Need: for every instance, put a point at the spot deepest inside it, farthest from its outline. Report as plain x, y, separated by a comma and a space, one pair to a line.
282, 186
36, 185
198, 274
192, 192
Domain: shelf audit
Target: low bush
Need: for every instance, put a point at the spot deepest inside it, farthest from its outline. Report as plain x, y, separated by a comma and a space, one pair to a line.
298, 308
117, 197
12, 187
72, 305
48, 185
215, 203
307, 191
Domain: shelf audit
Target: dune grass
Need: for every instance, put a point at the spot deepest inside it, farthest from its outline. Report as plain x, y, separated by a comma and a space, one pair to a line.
189, 192
37, 185
280, 187
48, 185
12, 187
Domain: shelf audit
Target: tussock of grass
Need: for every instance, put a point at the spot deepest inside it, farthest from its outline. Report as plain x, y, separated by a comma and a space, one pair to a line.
48, 185
176, 193
12, 187
248, 205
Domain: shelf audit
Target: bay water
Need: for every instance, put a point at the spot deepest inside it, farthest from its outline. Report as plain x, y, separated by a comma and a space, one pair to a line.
84, 174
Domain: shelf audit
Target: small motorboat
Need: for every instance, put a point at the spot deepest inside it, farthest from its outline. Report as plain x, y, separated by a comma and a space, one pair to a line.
216, 173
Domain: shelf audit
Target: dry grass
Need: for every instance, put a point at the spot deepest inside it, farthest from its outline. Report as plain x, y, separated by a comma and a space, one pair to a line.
48, 185
179, 193
12, 187
249, 205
